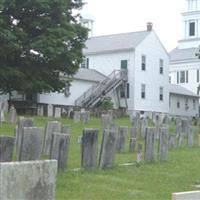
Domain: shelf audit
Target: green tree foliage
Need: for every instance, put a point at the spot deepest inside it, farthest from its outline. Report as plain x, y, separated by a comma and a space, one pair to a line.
39, 40
106, 103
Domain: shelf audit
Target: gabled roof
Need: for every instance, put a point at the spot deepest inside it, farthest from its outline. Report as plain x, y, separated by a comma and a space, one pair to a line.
183, 54
115, 42
177, 89
89, 75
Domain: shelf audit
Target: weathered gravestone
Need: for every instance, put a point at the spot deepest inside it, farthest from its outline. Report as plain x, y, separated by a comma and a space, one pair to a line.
149, 144
28, 180
77, 116
60, 149
31, 144
51, 127
192, 195
22, 123
185, 124
190, 136
6, 148
133, 139
2, 115
121, 138
57, 112
178, 126
144, 125
139, 153
163, 144
171, 141
66, 129
85, 116
12, 115
108, 146
106, 120
50, 110
89, 148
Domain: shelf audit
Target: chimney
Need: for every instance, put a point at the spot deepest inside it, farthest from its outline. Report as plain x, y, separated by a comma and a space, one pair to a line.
149, 26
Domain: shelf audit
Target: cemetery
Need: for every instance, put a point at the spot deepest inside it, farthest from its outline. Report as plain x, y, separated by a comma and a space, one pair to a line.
85, 157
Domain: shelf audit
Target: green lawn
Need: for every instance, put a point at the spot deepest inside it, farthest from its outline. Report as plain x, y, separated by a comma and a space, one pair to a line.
148, 181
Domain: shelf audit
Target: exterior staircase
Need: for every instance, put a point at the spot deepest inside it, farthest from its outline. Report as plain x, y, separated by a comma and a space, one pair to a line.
94, 94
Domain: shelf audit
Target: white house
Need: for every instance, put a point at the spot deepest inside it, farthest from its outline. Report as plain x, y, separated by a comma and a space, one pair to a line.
184, 64
182, 102
146, 61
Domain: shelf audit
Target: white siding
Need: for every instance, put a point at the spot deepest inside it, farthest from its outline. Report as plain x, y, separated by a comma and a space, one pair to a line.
154, 51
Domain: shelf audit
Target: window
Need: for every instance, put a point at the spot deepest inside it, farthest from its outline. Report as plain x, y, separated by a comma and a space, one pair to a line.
177, 77
161, 64
194, 104
170, 79
143, 91
85, 63
186, 104
178, 104
124, 93
192, 29
197, 75
124, 64
182, 76
161, 93
143, 64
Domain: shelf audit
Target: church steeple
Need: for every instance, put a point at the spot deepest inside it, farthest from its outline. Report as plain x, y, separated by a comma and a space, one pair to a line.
191, 25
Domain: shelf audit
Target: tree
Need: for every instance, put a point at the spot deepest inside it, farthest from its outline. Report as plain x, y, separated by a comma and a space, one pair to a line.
40, 40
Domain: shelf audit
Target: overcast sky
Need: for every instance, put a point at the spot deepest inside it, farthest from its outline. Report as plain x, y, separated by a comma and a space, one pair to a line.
119, 16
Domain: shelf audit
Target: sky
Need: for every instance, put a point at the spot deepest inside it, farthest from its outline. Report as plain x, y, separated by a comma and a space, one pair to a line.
120, 16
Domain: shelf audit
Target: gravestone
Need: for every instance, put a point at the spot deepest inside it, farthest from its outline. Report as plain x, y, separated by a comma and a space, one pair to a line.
6, 148
57, 112
133, 139
190, 136
144, 125
2, 115
108, 146
60, 149
185, 126
89, 148
192, 195
139, 153
66, 129
31, 144
171, 142
22, 122
5, 106
28, 180
40, 110
106, 120
163, 144
77, 116
178, 126
12, 115
50, 110
121, 138
51, 127
149, 144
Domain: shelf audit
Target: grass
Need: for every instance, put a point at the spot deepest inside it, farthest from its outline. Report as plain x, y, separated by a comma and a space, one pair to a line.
152, 181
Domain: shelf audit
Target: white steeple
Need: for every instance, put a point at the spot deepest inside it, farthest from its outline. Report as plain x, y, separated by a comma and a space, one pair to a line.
191, 25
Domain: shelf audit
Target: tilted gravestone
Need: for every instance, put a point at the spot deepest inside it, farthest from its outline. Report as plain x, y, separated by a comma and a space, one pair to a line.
133, 139
66, 129
60, 149
139, 153
89, 148
149, 144
121, 138
23, 122
28, 180
190, 136
12, 115
178, 126
31, 144
108, 146
106, 120
77, 116
191, 195
6, 148
163, 144
144, 125
51, 127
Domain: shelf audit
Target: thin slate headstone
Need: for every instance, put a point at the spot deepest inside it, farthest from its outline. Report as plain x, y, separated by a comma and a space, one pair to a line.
6, 148
180, 140
190, 137
77, 116
163, 144
57, 112
139, 153
66, 129
108, 146
149, 144
133, 139
85, 116
60, 149
2, 115
31, 144
106, 120
28, 180
12, 115
50, 110
171, 142
51, 127
23, 122
121, 139
144, 125
178, 126
89, 148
